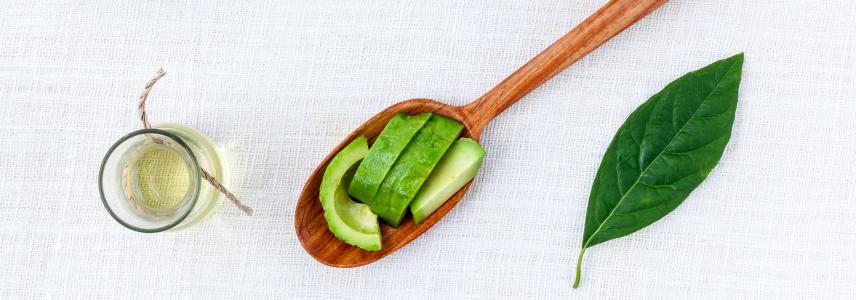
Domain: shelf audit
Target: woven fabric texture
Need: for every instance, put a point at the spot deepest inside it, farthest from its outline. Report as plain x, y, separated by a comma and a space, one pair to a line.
277, 84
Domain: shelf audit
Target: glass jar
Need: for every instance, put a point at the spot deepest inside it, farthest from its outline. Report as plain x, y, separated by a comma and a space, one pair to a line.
151, 179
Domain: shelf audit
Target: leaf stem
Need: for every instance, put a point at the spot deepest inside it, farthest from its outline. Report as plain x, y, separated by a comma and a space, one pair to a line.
579, 267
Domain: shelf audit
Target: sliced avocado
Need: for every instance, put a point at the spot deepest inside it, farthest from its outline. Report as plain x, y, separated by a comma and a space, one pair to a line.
383, 154
413, 167
351, 222
458, 166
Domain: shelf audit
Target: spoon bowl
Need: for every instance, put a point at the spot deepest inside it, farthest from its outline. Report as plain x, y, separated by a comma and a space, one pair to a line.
309, 222
311, 226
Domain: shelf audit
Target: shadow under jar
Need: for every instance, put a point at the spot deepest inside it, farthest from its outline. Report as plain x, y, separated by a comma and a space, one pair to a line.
151, 179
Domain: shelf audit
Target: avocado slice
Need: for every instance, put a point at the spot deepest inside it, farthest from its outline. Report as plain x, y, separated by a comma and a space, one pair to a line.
383, 154
413, 167
352, 222
458, 166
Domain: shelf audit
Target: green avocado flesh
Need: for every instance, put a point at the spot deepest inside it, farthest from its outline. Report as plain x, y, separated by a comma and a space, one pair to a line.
458, 166
383, 154
351, 222
413, 166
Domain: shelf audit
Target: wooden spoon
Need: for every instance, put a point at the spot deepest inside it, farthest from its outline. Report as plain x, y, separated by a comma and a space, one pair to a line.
309, 220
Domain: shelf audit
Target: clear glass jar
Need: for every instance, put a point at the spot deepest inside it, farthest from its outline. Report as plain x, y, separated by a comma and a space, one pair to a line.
150, 180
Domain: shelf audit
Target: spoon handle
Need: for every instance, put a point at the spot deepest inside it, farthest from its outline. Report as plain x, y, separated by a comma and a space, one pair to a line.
609, 20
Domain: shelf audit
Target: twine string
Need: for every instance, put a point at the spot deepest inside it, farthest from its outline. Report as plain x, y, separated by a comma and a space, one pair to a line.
141, 104
141, 107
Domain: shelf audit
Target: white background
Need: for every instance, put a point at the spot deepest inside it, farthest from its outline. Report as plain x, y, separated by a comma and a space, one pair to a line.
278, 84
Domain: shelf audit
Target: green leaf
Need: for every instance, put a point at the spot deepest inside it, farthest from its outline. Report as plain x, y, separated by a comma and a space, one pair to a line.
662, 152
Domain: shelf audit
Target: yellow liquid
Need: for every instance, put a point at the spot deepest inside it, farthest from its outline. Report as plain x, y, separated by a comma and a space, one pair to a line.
163, 178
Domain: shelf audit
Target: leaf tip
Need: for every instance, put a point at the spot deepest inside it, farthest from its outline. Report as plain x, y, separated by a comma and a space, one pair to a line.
736, 59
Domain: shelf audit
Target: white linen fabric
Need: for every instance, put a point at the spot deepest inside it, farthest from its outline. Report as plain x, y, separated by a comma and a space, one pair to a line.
278, 83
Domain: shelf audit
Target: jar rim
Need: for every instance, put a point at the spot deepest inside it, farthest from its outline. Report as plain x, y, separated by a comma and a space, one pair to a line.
193, 161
